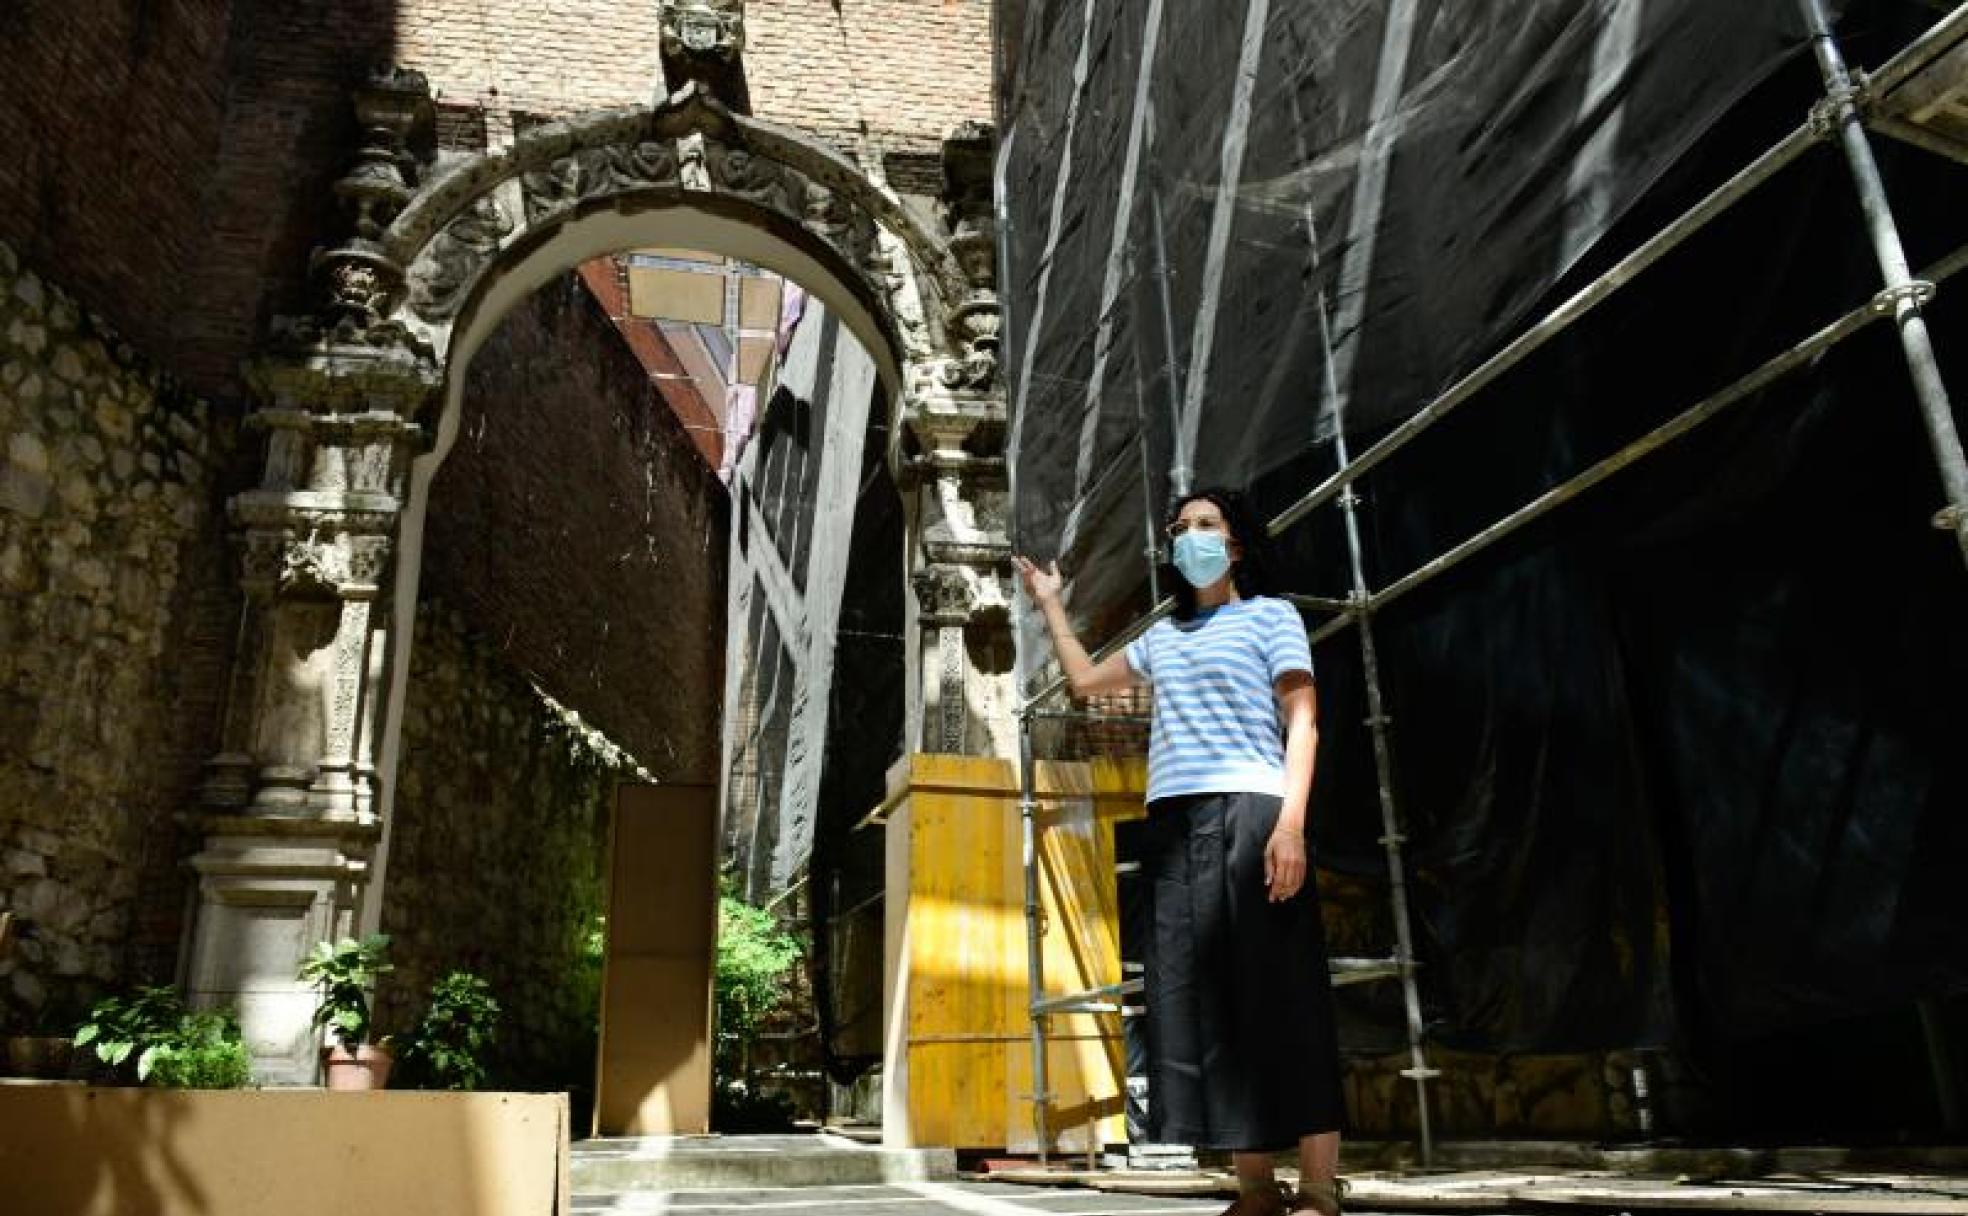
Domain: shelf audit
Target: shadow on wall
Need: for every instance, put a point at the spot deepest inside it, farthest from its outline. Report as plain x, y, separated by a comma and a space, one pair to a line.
105, 1152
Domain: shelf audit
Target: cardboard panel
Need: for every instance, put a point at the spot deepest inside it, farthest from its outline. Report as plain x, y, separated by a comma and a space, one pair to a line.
70, 1151
655, 1067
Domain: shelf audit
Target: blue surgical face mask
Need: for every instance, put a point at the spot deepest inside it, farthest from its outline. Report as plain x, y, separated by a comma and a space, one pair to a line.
1201, 557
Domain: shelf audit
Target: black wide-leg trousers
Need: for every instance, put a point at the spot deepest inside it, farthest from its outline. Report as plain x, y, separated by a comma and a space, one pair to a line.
1243, 1052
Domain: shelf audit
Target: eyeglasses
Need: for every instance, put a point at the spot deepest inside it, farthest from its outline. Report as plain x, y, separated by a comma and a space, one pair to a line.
1202, 523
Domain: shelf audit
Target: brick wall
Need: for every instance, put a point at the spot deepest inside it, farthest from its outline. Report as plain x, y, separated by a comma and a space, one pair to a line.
576, 525
110, 116
900, 72
171, 161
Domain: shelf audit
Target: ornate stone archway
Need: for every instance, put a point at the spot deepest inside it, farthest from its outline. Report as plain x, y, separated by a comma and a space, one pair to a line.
354, 397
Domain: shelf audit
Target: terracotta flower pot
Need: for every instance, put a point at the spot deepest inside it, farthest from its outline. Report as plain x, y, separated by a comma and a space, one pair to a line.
367, 1068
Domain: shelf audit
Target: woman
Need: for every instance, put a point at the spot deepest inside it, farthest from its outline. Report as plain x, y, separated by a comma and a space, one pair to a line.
1245, 1058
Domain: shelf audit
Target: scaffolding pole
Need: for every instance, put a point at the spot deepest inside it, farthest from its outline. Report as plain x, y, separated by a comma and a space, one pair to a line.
1028, 814
1903, 293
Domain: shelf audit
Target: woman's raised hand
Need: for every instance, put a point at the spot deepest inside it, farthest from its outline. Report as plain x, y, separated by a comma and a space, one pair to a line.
1041, 582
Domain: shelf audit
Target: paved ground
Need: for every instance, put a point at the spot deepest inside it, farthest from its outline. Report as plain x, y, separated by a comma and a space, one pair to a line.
896, 1199
798, 1175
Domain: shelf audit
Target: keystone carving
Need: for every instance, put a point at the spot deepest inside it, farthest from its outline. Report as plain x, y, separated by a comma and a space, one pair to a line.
704, 41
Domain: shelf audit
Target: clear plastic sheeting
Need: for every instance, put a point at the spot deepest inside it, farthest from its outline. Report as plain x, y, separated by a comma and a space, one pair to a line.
1185, 181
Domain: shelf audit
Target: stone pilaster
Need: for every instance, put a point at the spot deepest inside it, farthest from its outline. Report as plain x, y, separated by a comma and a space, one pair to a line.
289, 805
954, 466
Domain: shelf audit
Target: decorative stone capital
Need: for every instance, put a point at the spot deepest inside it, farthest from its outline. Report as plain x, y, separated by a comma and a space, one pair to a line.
953, 407
379, 369
298, 566
946, 595
313, 545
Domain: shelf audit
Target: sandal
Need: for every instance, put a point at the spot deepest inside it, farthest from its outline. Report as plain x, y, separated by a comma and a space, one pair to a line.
1273, 1202
1325, 1198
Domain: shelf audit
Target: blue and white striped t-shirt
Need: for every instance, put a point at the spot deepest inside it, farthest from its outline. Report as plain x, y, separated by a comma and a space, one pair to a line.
1217, 729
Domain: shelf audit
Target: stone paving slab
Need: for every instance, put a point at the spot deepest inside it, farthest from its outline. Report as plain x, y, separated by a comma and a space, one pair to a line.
908, 1199
1529, 1191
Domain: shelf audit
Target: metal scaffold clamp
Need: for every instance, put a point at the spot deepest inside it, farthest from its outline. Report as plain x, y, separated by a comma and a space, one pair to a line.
1898, 300
1828, 112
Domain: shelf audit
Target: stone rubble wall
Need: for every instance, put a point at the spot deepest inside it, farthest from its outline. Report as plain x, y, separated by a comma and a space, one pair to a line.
498, 849
116, 605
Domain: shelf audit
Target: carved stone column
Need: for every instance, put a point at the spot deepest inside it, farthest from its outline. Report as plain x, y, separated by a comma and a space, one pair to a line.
289, 805
954, 465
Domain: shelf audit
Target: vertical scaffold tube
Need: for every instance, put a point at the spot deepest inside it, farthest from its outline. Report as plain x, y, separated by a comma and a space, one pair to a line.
1902, 293
1028, 814
1391, 838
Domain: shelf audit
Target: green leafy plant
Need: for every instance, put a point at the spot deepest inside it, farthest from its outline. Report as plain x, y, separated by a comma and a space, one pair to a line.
166, 1044
121, 1028
447, 1049
204, 1051
754, 959
343, 973
755, 962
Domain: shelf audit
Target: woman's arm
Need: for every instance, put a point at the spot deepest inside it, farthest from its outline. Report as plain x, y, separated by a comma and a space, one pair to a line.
1083, 676
1284, 855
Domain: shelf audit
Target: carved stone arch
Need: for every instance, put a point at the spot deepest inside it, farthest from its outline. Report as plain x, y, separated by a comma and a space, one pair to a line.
458, 230
358, 402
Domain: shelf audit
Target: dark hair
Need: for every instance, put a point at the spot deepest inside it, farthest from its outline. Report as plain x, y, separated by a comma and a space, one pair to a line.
1252, 572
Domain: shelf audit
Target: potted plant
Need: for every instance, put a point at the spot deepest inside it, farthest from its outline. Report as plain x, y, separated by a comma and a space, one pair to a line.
447, 1049
343, 973
128, 1031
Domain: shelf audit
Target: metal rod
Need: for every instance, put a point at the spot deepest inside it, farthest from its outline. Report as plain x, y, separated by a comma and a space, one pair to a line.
1318, 603
1112, 646
1674, 428
1359, 608
1390, 820
1762, 169
1179, 481
1074, 1000
1028, 810
1915, 55
1089, 715
1920, 137
1901, 290
1336, 625
1667, 432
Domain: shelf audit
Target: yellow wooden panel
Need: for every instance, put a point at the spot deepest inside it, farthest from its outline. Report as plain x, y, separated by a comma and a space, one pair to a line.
969, 1058
965, 949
